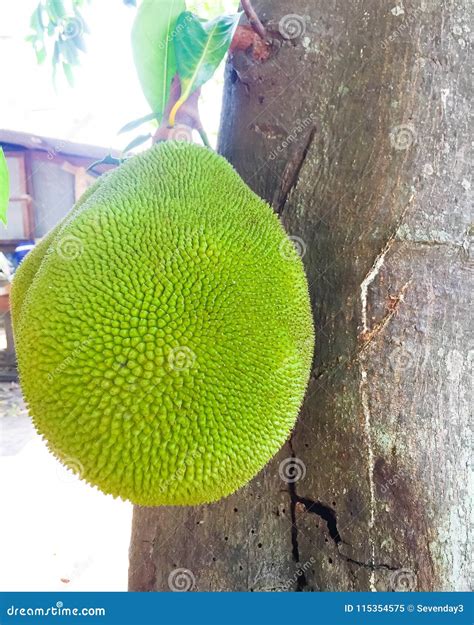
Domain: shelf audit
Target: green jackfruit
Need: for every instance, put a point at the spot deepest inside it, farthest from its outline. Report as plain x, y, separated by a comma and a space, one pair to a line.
164, 332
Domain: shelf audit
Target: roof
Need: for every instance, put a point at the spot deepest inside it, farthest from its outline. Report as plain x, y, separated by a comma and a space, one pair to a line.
56, 146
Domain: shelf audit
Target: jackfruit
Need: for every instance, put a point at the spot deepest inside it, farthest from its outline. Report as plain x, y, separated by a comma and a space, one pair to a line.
163, 331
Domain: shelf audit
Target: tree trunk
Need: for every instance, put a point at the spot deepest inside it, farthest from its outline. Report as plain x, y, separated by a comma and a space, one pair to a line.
356, 130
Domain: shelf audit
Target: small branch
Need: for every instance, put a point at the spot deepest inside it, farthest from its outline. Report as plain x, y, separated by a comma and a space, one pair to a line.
254, 19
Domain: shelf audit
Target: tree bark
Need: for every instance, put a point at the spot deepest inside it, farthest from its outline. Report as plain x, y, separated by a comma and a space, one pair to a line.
356, 130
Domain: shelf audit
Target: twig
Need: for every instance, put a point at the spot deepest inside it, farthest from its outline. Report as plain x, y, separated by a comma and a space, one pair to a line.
254, 19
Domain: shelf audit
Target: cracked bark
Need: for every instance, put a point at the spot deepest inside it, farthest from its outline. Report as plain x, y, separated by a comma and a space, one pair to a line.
291, 173
382, 430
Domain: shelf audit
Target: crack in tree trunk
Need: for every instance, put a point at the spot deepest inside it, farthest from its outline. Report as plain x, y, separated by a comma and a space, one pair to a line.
290, 176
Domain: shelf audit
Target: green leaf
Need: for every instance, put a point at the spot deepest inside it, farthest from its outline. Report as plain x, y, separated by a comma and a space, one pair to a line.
200, 47
57, 9
56, 53
107, 160
68, 73
69, 51
82, 21
40, 55
136, 123
153, 32
4, 187
36, 21
137, 141
80, 43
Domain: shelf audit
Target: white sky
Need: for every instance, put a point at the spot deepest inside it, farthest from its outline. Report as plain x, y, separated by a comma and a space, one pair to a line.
106, 94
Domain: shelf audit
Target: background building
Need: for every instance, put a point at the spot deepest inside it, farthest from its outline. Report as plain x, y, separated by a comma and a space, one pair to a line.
47, 176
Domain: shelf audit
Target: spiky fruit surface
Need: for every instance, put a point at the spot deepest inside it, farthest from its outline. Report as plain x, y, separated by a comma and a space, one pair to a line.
164, 332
